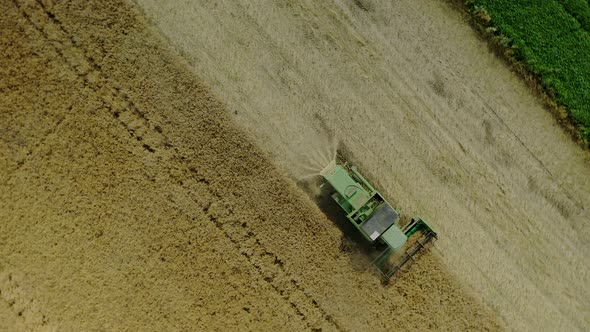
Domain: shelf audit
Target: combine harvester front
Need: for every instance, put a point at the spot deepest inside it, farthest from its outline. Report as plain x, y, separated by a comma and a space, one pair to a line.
376, 219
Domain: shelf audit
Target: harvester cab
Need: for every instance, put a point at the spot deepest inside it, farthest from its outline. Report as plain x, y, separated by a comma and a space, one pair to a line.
375, 219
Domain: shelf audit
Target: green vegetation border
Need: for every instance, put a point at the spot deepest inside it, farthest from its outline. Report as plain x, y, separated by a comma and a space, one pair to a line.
501, 46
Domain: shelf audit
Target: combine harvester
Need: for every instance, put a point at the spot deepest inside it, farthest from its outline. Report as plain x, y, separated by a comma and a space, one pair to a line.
376, 219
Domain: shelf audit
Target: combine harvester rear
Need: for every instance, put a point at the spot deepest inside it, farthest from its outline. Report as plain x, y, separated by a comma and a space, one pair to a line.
376, 219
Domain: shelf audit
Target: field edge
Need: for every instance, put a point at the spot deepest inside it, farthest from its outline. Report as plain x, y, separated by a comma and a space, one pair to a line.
479, 20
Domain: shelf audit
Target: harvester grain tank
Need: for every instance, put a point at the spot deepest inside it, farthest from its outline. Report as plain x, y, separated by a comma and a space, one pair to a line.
375, 219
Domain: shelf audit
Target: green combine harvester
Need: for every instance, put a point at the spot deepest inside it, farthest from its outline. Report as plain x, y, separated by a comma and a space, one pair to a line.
376, 219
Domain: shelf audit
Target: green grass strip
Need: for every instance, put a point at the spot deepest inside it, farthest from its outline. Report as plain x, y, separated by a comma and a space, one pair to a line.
553, 45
